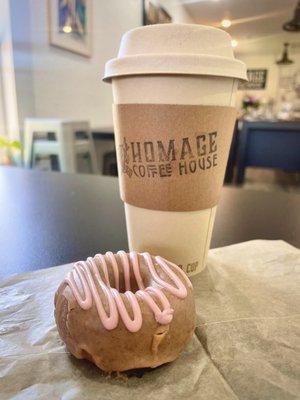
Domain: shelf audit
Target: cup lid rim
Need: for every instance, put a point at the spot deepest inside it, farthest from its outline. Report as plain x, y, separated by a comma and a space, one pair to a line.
174, 64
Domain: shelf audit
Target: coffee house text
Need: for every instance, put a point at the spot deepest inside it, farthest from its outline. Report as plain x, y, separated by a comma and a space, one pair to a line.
160, 158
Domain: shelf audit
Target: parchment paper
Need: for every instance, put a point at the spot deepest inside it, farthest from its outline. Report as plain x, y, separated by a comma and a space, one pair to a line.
246, 344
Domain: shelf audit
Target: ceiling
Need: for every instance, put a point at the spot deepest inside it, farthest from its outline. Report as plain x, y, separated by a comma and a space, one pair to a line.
251, 19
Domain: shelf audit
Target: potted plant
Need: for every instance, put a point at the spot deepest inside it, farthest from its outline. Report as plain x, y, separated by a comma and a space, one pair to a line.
250, 103
10, 151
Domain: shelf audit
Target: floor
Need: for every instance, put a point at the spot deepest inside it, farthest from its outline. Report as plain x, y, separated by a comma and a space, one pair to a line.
272, 180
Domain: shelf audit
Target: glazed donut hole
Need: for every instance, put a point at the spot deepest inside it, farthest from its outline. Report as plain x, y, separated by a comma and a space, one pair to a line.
144, 272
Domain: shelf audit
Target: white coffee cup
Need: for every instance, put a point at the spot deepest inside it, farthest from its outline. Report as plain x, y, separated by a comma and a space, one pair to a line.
174, 64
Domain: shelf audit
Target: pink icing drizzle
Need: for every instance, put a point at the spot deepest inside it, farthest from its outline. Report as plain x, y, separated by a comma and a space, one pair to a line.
91, 283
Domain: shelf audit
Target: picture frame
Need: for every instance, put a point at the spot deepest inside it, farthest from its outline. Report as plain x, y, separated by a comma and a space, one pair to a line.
70, 25
257, 79
154, 13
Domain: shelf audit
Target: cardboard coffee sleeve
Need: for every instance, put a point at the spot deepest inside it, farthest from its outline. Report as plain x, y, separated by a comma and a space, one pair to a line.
172, 157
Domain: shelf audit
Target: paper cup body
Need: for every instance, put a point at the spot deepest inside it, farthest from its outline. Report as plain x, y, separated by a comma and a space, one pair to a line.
178, 65
182, 237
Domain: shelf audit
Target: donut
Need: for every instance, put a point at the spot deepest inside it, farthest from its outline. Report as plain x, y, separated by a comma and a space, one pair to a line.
125, 311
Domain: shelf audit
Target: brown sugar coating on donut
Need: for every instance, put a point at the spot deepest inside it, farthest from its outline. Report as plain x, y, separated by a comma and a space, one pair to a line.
125, 311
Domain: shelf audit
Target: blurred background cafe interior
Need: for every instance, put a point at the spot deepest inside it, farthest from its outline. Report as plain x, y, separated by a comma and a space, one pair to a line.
56, 113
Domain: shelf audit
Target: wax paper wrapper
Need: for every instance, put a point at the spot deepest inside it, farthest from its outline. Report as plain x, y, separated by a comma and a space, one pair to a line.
246, 344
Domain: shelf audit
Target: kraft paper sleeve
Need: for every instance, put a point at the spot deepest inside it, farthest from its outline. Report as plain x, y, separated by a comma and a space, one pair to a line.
172, 157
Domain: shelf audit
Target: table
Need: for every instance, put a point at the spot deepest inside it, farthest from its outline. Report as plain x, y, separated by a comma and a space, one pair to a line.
245, 344
268, 144
51, 218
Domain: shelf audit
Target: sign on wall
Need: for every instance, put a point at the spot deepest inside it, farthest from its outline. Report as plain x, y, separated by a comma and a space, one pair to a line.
257, 80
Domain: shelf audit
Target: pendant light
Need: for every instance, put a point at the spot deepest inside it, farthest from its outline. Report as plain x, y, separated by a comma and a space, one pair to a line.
294, 24
285, 60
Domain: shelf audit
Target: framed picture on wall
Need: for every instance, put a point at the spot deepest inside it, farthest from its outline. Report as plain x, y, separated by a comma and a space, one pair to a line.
70, 25
154, 13
257, 80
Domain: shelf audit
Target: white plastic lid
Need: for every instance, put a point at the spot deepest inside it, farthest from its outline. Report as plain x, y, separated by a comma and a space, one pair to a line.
175, 49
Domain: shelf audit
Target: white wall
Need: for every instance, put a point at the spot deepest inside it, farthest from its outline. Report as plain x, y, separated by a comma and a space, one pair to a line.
263, 53
67, 84
9, 124
2, 101
53, 82
22, 55
258, 53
